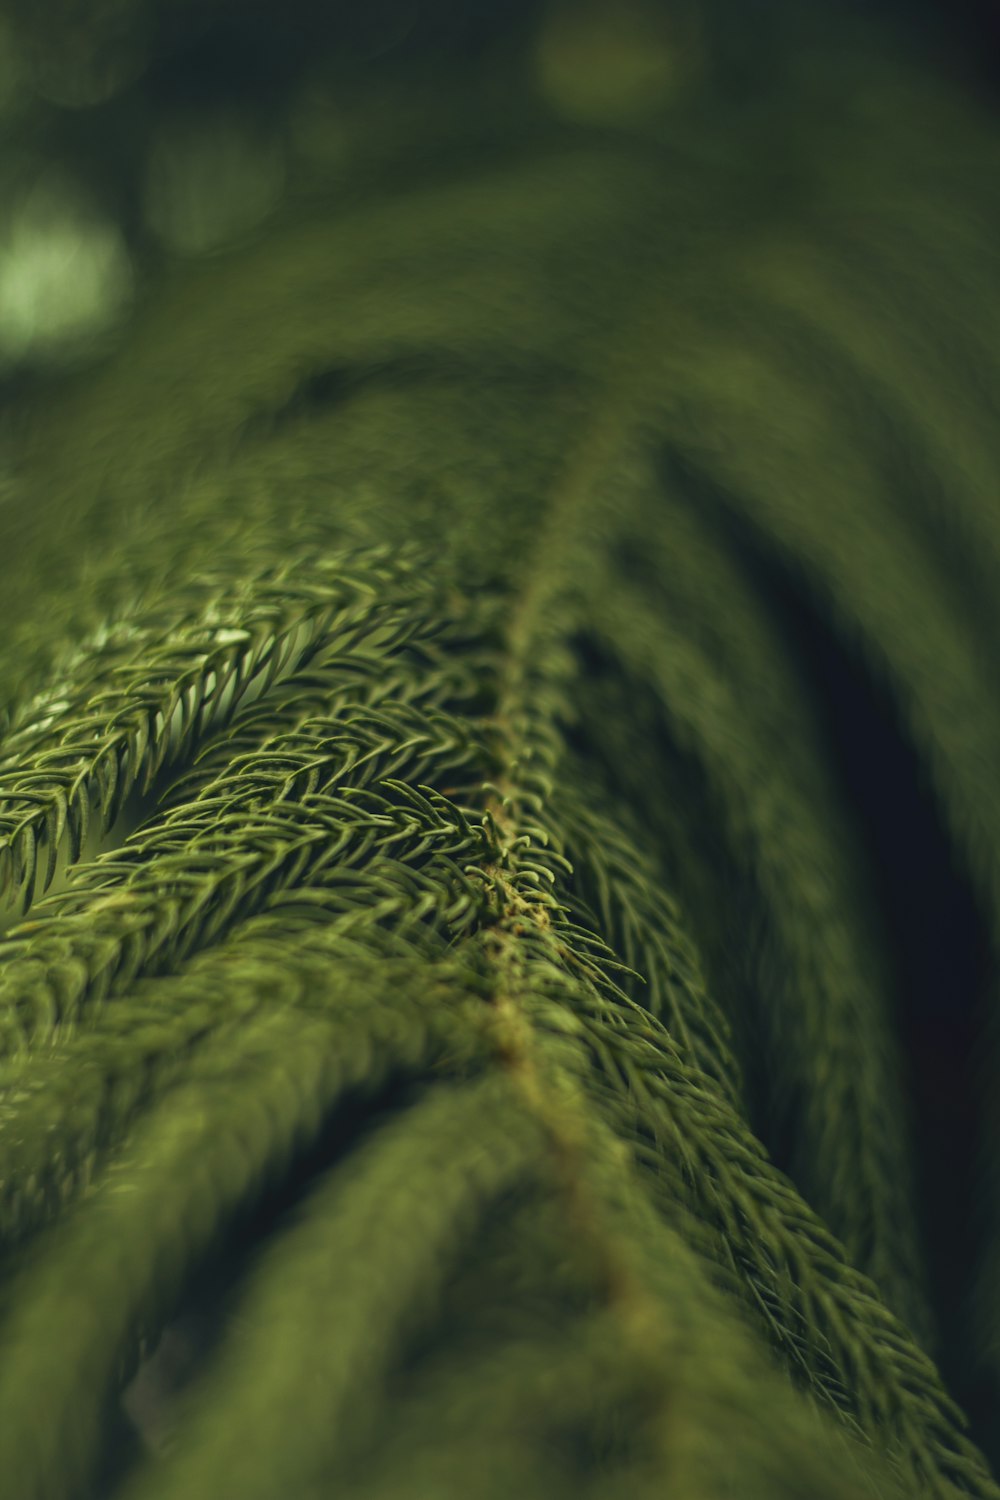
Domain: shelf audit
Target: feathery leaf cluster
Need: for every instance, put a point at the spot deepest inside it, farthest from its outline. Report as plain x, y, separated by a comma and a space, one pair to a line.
437, 927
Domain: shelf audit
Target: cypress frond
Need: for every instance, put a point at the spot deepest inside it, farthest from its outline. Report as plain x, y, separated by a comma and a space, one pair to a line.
447, 987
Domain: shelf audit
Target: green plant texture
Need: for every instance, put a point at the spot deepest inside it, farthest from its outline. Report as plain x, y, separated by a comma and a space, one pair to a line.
499, 708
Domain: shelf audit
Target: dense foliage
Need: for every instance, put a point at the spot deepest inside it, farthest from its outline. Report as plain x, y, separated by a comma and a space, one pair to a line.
499, 821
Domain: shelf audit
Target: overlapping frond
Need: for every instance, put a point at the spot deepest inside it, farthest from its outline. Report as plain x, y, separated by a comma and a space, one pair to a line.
423, 855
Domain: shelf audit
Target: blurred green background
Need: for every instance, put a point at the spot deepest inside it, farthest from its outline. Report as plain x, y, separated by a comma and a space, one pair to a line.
134, 133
